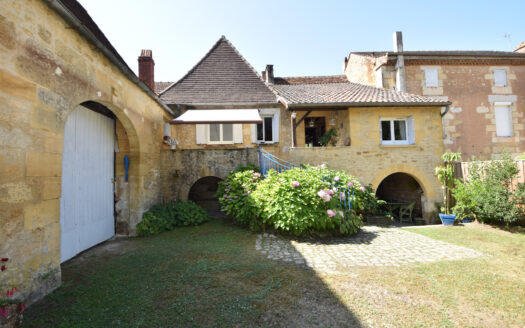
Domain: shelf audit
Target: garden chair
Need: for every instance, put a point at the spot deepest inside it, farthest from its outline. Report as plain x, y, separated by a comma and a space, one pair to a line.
405, 213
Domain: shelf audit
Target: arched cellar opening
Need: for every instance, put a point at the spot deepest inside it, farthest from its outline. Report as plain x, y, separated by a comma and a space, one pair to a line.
401, 188
203, 191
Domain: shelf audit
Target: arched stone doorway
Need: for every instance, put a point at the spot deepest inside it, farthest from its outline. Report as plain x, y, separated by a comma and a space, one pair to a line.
401, 188
95, 194
203, 191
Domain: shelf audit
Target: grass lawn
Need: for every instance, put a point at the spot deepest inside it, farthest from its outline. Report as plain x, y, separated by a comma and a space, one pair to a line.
211, 276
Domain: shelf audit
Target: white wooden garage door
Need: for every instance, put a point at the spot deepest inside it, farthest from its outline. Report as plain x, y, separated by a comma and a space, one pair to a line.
86, 205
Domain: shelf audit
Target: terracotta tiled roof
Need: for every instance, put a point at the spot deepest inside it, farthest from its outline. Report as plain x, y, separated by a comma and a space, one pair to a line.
459, 53
311, 79
222, 77
348, 94
161, 86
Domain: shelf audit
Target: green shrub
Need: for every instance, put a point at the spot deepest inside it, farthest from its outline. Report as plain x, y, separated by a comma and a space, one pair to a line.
300, 201
234, 195
487, 194
166, 217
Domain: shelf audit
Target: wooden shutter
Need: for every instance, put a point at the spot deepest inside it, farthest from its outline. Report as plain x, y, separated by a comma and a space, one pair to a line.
431, 77
237, 133
276, 122
500, 78
200, 137
253, 132
503, 121
411, 130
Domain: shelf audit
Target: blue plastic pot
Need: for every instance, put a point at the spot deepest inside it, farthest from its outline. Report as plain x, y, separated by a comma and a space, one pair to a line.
447, 219
466, 221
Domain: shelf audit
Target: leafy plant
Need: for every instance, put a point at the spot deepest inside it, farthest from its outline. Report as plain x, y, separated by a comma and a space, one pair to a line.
487, 194
303, 201
166, 217
445, 174
235, 197
329, 137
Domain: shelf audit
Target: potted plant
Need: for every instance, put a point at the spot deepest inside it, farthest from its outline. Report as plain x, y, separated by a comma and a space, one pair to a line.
329, 137
10, 309
445, 174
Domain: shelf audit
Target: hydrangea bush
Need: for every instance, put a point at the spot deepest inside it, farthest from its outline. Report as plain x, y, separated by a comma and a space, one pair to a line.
234, 195
305, 200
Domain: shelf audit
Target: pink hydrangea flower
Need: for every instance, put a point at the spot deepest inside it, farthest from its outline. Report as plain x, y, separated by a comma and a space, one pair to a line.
235, 197
336, 179
245, 194
323, 166
362, 188
330, 213
295, 184
330, 192
324, 195
350, 184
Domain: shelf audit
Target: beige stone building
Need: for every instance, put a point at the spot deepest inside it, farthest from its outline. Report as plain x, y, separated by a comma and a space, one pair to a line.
86, 148
486, 89
70, 112
389, 139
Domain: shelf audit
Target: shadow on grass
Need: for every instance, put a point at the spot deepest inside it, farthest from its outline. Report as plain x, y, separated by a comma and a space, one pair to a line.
206, 276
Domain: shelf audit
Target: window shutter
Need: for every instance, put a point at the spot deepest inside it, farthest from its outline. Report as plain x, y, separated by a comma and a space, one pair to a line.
380, 131
503, 121
201, 133
237, 133
411, 130
253, 132
500, 78
431, 77
276, 122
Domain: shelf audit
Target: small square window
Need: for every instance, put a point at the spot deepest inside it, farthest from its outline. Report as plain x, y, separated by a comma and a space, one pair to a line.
221, 133
397, 131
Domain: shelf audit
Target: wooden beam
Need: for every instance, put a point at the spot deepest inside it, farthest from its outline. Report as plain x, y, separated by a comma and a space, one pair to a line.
294, 127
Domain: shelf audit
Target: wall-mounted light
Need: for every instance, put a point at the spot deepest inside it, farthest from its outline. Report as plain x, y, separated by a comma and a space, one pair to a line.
311, 123
333, 119
168, 140
294, 114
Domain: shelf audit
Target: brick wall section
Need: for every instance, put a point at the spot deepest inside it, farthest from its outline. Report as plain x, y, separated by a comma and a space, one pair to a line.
47, 69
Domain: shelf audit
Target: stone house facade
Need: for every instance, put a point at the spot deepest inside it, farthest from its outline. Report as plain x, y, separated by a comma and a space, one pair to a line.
381, 133
486, 88
57, 66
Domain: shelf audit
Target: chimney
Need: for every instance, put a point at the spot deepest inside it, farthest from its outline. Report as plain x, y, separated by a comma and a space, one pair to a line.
147, 68
520, 48
401, 84
268, 74
398, 41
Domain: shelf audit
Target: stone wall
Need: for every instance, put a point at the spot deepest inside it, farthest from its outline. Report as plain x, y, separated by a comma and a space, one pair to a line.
371, 162
180, 169
47, 69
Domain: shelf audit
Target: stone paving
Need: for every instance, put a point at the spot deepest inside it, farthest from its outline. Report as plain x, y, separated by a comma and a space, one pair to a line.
372, 246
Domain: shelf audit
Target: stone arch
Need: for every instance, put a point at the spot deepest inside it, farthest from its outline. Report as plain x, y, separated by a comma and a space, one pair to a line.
414, 172
401, 188
429, 195
202, 192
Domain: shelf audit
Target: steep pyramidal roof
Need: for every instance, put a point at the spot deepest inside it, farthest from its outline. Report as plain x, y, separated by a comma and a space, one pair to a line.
222, 77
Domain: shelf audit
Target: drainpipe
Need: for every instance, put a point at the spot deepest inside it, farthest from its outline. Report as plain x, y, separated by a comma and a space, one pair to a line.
447, 108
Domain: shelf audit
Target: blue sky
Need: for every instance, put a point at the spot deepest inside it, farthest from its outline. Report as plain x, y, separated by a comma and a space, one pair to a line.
300, 37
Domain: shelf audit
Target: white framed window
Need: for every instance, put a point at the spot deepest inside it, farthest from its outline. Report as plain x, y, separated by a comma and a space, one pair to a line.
431, 77
503, 119
500, 78
267, 132
211, 134
397, 131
